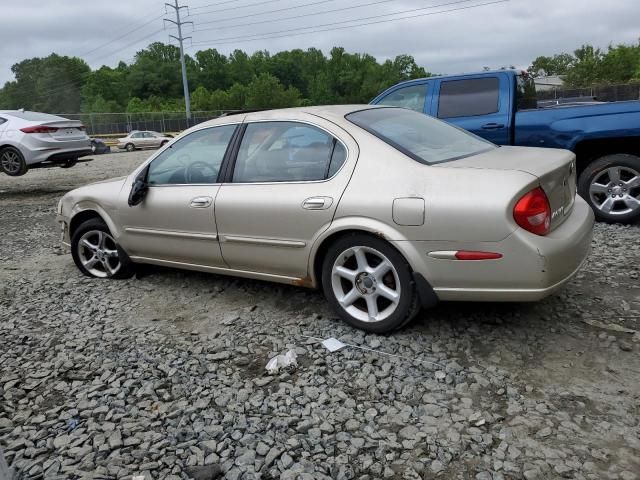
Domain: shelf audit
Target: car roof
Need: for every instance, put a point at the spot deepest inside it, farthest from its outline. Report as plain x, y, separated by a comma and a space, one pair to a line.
329, 112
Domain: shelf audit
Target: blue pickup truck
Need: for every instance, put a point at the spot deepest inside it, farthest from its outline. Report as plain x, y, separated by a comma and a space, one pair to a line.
502, 107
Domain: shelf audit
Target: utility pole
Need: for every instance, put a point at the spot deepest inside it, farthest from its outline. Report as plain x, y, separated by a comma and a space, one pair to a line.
185, 84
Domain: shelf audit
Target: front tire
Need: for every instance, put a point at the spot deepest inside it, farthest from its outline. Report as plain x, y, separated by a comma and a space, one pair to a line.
611, 186
369, 284
96, 253
12, 162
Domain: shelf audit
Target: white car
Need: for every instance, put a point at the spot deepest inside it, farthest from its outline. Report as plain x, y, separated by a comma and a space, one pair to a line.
143, 139
33, 139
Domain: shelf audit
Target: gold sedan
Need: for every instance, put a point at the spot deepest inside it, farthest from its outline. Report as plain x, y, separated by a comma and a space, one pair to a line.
385, 209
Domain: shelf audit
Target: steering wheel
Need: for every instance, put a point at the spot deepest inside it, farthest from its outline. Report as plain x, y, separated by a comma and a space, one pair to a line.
195, 173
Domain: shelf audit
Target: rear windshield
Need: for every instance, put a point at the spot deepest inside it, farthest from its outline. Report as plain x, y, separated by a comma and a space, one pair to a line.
419, 136
35, 116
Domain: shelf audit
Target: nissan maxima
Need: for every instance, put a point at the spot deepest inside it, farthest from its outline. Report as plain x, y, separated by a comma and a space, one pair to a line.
385, 209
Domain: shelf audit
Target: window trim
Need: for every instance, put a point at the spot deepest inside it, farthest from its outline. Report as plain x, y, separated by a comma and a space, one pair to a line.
442, 82
227, 153
228, 178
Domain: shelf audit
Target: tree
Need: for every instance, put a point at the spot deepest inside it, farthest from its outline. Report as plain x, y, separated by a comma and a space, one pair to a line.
556, 65
265, 91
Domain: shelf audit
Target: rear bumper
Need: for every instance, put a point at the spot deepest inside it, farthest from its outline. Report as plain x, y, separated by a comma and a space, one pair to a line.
532, 267
55, 152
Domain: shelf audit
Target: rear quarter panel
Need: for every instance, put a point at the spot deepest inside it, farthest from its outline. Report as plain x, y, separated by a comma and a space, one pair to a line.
565, 127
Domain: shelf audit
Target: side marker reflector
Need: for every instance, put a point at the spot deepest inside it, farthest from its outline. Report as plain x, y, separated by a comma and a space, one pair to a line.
470, 255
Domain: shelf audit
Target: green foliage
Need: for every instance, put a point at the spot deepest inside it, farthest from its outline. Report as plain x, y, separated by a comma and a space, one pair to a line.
153, 82
589, 66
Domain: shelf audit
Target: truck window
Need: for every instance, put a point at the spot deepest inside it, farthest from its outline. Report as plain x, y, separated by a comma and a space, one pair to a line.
468, 98
411, 97
526, 92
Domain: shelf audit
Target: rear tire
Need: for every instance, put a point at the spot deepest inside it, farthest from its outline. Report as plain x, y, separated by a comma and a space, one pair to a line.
96, 253
369, 284
12, 162
611, 186
164, 142
130, 147
69, 163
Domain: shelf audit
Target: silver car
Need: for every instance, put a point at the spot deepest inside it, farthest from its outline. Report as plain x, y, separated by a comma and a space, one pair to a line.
385, 209
33, 139
143, 139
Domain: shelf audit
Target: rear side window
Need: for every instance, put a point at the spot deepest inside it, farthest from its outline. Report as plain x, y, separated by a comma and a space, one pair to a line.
419, 136
2, 120
287, 152
468, 98
411, 97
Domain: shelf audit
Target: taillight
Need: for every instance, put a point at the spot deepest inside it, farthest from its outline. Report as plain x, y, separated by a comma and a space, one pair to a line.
533, 212
39, 129
82, 127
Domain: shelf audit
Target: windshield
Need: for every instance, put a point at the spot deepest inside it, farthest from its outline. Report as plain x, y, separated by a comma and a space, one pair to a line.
419, 136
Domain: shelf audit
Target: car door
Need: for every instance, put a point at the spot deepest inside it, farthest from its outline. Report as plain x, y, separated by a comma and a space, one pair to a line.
480, 104
281, 193
176, 221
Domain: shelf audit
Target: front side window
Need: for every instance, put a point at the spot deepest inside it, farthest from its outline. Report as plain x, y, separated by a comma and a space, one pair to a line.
286, 152
468, 98
194, 159
411, 97
419, 136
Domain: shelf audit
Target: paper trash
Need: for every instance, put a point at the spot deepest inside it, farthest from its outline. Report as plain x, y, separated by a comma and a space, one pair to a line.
333, 344
287, 362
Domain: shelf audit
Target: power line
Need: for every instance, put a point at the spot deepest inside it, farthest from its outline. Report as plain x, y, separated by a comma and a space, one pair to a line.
226, 27
277, 34
197, 7
263, 2
139, 27
267, 12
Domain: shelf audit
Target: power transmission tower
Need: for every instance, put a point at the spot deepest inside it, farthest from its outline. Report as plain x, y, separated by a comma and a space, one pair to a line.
185, 84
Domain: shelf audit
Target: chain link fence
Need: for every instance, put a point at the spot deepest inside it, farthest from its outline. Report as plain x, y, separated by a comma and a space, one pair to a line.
108, 124
604, 93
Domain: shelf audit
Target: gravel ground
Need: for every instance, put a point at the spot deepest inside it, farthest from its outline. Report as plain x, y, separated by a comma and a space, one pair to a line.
162, 376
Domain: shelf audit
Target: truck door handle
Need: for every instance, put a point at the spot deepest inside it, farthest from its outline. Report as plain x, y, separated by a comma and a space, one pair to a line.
317, 203
492, 126
201, 202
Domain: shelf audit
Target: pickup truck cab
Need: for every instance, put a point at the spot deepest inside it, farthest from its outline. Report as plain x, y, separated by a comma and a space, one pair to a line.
501, 106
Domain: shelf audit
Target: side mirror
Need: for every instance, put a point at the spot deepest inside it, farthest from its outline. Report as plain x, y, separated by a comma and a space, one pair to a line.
139, 189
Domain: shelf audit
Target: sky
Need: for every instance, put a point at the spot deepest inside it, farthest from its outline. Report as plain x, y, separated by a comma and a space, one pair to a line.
444, 36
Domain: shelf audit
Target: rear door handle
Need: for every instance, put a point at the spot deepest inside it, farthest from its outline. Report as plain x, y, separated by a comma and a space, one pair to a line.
492, 126
317, 203
201, 202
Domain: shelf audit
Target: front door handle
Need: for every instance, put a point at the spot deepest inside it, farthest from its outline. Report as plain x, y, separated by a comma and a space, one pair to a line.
201, 202
493, 126
317, 203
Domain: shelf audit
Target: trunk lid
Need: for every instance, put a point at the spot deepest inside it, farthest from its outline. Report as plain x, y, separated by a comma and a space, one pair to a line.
555, 170
67, 130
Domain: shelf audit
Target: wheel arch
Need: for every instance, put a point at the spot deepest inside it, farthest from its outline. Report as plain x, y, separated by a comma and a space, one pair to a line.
589, 150
353, 225
86, 211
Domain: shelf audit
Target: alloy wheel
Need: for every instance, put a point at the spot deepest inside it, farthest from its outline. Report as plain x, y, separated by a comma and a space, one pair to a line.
10, 162
616, 190
366, 284
98, 253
